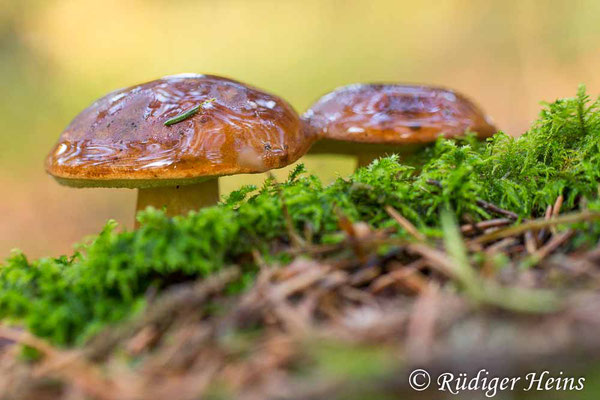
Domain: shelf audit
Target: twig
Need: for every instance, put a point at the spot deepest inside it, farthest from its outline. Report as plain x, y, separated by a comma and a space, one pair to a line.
421, 325
530, 244
557, 205
27, 339
538, 224
495, 209
357, 295
409, 277
482, 203
501, 245
483, 225
556, 241
258, 259
354, 240
556, 210
404, 223
295, 238
364, 275
298, 282
542, 232
437, 259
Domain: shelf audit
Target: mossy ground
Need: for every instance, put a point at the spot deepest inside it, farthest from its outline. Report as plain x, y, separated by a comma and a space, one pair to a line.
383, 219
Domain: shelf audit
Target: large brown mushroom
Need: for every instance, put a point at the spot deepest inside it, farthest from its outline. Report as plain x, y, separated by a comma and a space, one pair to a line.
371, 120
173, 137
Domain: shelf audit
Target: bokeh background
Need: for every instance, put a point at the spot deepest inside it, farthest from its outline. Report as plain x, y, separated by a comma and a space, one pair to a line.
57, 56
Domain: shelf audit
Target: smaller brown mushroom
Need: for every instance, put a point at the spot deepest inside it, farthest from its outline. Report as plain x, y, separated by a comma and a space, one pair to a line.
372, 120
173, 137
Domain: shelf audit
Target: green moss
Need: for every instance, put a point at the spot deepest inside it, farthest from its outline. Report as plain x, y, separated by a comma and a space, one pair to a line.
68, 299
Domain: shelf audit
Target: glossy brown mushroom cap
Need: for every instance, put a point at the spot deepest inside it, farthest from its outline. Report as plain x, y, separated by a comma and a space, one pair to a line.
121, 140
395, 115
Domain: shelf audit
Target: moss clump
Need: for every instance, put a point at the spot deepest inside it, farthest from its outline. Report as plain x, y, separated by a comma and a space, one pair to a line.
68, 299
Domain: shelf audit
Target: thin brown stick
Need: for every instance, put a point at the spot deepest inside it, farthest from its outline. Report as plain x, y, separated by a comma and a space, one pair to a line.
354, 237
530, 244
421, 325
27, 339
406, 224
495, 209
542, 233
258, 259
537, 224
483, 225
364, 275
553, 244
557, 205
501, 245
482, 203
408, 277
298, 282
435, 258
295, 238
556, 211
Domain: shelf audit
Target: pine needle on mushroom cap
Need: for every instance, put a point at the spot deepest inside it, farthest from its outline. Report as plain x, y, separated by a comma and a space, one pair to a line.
179, 129
172, 138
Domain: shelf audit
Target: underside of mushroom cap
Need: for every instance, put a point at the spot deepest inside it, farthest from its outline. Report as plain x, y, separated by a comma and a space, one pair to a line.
395, 114
121, 140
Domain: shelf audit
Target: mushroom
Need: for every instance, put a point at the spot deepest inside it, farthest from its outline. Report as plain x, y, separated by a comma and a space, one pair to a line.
371, 120
173, 137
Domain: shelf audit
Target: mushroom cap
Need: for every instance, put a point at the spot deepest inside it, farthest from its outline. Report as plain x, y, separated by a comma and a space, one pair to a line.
394, 114
121, 140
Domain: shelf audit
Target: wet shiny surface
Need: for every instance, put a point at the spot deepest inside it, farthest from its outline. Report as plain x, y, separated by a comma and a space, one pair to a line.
395, 114
122, 136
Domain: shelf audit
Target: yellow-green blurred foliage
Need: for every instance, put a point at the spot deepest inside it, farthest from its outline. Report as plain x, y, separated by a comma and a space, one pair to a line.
57, 56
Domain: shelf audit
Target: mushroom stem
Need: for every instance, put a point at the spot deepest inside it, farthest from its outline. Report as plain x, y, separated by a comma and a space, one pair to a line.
181, 199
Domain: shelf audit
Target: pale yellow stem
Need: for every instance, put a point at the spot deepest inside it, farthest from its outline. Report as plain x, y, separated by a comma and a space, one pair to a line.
179, 200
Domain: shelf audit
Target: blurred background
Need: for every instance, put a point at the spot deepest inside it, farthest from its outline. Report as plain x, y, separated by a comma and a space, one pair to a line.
57, 56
